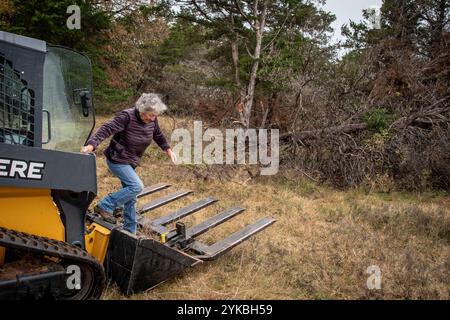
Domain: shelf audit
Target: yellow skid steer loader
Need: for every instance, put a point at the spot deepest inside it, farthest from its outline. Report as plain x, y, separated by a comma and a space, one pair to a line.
51, 246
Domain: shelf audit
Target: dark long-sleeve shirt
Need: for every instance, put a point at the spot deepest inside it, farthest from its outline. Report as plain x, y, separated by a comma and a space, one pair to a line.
131, 136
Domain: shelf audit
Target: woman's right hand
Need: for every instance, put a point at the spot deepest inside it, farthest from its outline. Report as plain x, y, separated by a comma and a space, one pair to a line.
171, 156
87, 149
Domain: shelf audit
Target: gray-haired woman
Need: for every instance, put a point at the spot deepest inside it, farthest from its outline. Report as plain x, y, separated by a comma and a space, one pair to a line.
133, 130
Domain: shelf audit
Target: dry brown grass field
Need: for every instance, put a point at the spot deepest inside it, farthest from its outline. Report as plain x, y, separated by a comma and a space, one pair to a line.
319, 248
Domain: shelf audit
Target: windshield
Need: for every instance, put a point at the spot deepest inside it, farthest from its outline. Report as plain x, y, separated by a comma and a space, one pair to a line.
67, 76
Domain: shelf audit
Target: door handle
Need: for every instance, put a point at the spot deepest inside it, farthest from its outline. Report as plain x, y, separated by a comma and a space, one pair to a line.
49, 127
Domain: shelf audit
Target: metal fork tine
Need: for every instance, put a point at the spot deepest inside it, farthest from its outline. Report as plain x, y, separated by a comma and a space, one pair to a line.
183, 212
210, 223
222, 246
152, 189
163, 200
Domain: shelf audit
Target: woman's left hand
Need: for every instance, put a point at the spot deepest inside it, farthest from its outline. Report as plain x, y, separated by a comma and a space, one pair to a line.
172, 156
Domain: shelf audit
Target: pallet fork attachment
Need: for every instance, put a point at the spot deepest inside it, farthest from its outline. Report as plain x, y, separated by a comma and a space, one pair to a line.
159, 253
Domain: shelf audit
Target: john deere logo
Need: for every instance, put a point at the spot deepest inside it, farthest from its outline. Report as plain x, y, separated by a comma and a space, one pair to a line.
13, 168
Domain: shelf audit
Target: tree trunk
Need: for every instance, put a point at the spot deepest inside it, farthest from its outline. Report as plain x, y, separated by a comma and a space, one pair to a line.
313, 134
259, 28
235, 56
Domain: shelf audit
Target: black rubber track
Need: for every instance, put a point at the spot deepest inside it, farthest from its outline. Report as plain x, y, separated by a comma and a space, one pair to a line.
69, 254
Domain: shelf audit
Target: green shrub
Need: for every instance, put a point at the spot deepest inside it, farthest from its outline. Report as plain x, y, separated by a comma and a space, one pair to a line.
377, 119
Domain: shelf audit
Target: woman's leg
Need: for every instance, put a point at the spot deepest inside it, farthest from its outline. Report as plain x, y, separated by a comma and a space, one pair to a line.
132, 186
129, 216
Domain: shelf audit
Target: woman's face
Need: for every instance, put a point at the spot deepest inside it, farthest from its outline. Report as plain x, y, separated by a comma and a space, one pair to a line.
147, 116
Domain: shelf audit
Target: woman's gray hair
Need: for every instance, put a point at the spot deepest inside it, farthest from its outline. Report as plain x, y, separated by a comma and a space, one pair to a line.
150, 102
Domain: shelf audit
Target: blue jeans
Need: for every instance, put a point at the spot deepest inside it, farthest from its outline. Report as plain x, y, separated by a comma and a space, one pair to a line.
126, 197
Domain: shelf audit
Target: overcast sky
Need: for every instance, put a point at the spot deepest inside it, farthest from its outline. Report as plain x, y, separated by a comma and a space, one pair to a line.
346, 10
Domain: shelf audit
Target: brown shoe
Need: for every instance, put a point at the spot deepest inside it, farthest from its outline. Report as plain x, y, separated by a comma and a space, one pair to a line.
105, 215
